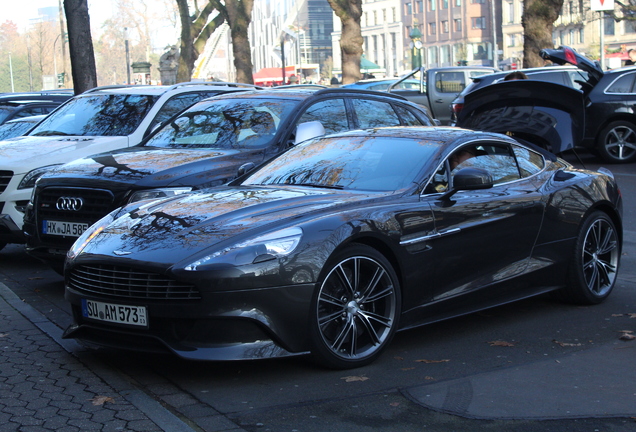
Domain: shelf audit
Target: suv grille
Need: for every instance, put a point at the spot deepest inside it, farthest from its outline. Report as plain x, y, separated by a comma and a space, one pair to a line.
97, 203
125, 282
5, 178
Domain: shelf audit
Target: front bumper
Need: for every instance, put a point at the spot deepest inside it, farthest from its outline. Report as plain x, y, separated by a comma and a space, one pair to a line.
10, 232
232, 325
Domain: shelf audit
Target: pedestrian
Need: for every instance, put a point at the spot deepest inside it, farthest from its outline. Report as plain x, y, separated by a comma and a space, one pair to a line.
632, 58
516, 75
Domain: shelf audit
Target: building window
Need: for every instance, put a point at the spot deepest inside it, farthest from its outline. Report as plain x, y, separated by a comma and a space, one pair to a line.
572, 42
444, 55
445, 26
444, 4
394, 14
511, 12
458, 24
432, 28
479, 22
366, 19
431, 5
383, 15
581, 36
478, 1
630, 27
375, 17
458, 3
609, 26
511, 40
420, 6
409, 9
561, 38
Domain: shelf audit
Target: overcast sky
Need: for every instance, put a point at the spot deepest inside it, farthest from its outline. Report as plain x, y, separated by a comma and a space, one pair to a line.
21, 11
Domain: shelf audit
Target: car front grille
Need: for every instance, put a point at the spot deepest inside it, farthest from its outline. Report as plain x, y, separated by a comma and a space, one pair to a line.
5, 178
124, 282
97, 203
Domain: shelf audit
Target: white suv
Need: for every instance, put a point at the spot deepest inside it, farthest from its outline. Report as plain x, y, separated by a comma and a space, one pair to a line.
99, 120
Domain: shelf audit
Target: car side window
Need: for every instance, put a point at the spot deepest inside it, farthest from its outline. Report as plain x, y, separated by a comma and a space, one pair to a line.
623, 84
497, 159
178, 103
551, 77
530, 162
331, 113
408, 118
450, 82
371, 113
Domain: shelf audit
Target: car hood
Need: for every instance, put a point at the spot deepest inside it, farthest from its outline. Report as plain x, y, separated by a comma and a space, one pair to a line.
540, 112
566, 55
144, 167
25, 153
168, 231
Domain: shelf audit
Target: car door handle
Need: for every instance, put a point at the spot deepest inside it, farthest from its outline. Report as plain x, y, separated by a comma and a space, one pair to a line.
439, 101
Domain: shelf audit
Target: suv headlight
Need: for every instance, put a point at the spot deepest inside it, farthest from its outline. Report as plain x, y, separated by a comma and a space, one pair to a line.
259, 249
28, 181
158, 193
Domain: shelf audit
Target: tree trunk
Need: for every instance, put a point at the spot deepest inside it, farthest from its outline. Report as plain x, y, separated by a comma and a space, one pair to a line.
80, 45
186, 49
239, 13
349, 12
537, 20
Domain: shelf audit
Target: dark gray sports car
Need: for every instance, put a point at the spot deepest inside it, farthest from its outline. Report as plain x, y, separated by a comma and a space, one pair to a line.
335, 245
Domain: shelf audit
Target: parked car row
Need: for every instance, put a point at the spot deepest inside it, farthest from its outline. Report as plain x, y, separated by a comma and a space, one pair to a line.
268, 223
101, 119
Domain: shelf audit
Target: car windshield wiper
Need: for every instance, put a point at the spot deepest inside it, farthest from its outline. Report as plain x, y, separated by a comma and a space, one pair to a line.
318, 185
50, 133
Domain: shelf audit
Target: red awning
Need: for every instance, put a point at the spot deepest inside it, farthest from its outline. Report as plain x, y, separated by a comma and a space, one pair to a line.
272, 75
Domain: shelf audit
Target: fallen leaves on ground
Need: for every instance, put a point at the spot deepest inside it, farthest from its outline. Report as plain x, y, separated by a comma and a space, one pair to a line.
354, 378
2, 335
566, 344
432, 361
501, 343
626, 335
101, 400
631, 315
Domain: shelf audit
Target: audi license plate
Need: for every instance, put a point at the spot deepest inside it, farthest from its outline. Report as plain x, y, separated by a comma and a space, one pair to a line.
71, 229
120, 314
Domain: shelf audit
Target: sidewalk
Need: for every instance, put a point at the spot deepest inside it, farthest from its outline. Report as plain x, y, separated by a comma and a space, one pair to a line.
45, 387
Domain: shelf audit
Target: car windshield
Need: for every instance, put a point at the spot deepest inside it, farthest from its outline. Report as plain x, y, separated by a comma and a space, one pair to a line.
352, 162
97, 115
225, 124
13, 129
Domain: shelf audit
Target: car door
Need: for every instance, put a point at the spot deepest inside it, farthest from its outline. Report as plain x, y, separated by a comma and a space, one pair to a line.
484, 236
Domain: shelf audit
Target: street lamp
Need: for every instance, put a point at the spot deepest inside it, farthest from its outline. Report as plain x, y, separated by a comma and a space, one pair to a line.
416, 47
11, 73
127, 56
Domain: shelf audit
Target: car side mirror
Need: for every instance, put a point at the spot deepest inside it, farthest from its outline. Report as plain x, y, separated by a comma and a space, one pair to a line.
308, 130
245, 168
469, 179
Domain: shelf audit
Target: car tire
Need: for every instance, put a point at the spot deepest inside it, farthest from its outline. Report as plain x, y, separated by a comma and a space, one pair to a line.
617, 142
593, 268
355, 308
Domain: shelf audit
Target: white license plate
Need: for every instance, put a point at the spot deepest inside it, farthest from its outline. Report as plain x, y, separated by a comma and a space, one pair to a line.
71, 229
120, 314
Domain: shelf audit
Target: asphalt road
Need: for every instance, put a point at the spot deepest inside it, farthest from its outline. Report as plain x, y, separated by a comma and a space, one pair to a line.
390, 395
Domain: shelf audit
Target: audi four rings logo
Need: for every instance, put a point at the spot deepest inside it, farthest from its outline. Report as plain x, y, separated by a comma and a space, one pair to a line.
69, 203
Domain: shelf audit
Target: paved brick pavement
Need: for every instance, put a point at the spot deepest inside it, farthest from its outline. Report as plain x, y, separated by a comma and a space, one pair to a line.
51, 384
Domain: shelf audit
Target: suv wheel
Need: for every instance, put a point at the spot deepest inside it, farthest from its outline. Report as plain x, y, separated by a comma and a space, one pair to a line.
617, 142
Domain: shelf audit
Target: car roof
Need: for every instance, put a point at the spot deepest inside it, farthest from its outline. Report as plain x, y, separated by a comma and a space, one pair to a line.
305, 93
158, 90
32, 97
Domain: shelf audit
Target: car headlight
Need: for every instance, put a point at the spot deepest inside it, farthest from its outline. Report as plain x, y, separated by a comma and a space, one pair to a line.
263, 248
28, 181
90, 233
158, 193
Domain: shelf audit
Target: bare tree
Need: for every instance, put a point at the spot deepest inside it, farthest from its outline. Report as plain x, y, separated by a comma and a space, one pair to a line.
196, 29
349, 12
80, 45
538, 19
